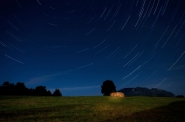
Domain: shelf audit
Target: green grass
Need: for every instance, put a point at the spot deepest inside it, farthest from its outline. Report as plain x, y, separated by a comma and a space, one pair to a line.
92, 109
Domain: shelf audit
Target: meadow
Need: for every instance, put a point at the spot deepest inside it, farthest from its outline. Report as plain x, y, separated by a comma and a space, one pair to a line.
91, 109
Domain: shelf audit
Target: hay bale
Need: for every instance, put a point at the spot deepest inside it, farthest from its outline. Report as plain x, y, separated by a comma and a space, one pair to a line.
117, 94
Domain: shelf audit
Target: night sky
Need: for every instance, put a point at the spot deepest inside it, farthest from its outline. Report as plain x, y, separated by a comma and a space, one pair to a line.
75, 45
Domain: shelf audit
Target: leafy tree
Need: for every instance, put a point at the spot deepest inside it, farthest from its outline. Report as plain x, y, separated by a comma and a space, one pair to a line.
49, 93
20, 89
31, 92
57, 93
41, 91
108, 87
7, 88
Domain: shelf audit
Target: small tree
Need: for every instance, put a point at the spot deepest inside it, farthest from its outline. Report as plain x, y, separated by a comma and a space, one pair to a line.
40, 91
108, 87
57, 93
20, 89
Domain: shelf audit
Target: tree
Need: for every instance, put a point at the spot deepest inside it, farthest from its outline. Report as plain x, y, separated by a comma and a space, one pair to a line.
49, 93
20, 89
108, 87
57, 93
7, 88
31, 92
41, 91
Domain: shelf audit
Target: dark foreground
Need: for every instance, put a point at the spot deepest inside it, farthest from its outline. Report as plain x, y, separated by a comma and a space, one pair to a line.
92, 109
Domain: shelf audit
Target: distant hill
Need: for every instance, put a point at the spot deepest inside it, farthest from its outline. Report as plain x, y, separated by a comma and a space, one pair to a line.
141, 91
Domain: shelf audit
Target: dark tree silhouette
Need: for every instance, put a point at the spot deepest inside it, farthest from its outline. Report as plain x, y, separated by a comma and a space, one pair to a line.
41, 91
7, 88
20, 89
108, 87
49, 93
31, 92
57, 93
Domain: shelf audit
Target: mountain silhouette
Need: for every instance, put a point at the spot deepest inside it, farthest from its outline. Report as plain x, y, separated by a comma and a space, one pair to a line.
141, 91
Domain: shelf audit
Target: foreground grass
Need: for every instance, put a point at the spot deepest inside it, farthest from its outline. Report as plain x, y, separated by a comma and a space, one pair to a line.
57, 109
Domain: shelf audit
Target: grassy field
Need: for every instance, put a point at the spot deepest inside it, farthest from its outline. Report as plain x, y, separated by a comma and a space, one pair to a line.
92, 109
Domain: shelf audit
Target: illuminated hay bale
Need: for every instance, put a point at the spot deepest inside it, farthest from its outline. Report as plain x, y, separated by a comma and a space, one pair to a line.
117, 94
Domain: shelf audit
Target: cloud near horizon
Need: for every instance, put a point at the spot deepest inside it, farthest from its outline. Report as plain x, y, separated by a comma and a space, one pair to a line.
76, 88
45, 78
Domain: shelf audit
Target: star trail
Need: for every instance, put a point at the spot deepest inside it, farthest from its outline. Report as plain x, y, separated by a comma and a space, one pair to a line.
75, 45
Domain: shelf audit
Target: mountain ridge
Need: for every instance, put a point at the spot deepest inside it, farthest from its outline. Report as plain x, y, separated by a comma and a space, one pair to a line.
143, 91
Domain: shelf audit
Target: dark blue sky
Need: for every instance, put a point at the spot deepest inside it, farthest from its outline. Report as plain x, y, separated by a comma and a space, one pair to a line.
75, 45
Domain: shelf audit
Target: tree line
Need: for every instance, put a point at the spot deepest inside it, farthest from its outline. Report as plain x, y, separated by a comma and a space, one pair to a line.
19, 88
